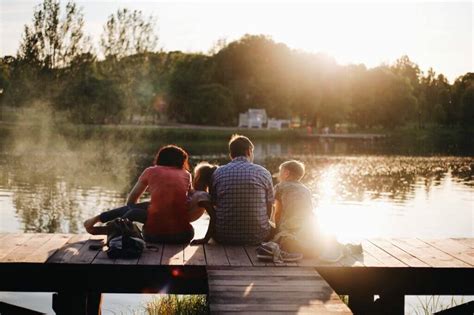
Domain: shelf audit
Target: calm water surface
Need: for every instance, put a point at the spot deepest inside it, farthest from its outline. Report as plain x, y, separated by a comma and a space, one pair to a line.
52, 186
52, 183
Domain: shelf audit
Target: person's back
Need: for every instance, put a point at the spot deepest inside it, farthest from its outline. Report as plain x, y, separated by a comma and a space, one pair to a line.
296, 219
167, 212
296, 229
242, 193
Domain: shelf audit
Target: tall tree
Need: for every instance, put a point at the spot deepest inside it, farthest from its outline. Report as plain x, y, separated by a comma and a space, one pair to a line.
52, 41
128, 33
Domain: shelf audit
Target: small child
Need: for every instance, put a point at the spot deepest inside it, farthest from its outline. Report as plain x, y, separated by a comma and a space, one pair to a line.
296, 228
293, 212
199, 199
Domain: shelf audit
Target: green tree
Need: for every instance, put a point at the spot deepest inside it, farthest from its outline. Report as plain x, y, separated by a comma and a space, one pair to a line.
52, 41
92, 100
463, 98
127, 33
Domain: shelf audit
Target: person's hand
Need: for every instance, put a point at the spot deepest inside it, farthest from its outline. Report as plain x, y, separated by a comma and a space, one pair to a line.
199, 241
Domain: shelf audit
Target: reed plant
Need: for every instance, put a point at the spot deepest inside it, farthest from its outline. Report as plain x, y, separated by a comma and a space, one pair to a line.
178, 304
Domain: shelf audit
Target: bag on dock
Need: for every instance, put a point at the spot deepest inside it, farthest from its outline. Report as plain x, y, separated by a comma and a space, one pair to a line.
124, 239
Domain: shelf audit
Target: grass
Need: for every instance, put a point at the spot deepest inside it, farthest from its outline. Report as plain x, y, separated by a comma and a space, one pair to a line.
428, 305
178, 304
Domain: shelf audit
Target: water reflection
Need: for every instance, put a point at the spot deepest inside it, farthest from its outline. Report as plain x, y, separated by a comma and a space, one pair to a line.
53, 185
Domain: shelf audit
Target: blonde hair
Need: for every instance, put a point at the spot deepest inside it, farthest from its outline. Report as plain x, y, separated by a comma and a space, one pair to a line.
203, 175
296, 169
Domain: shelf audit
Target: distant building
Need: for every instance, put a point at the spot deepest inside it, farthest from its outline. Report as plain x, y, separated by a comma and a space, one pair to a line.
253, 118
278, 123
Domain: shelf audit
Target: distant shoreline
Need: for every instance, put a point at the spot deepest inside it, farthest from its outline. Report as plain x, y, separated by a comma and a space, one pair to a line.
189, 131
300, 133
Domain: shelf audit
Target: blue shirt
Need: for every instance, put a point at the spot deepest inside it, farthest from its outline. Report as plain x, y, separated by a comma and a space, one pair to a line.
241, 192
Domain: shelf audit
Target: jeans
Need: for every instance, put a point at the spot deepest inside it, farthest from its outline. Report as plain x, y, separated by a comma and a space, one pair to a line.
136, 212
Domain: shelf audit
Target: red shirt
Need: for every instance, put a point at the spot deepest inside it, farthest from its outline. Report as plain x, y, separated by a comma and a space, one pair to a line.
168, 187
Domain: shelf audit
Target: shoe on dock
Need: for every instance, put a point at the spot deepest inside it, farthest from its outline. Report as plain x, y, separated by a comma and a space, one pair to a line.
270, 251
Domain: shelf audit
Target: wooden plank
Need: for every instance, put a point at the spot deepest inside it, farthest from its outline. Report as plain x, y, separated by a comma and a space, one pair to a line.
85, 254
215, 255
384, 257
264, 272
400, 254
313, 262
269, 281
173, 254
262, 288
237, 256
351, 261
279, 297
151, 255
255, 279
46, 250
453, 248
25, 249
70, 249
469, 242
257, 308
365, 259
250, 250
11, 242
102, 259
271, 289
194, 255
427, 253
126, 261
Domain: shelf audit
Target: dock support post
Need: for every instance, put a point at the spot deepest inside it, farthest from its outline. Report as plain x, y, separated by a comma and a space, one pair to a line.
392, 303
361, 303
77, 303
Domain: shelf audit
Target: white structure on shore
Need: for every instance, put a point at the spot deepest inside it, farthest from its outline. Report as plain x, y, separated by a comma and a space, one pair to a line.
257, 118
253, 118
278, 123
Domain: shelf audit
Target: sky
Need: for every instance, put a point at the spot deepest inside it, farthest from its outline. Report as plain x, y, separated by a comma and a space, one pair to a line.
432, 34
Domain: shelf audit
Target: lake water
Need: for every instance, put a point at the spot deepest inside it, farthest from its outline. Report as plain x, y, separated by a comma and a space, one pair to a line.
52, 181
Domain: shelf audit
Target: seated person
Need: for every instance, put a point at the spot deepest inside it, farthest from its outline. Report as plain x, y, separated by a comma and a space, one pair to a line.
200, 200
296, 227
166, 217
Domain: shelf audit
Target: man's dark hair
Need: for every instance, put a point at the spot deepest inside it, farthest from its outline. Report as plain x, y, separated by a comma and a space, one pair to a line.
172, 155
239, 145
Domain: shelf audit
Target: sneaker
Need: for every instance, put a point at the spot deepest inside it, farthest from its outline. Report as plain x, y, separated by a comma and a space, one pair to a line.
290, 257
270, 251
262, 254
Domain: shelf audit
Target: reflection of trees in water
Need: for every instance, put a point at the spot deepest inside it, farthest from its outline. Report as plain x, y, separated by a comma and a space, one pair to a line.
356, 178
56, 184
48, 202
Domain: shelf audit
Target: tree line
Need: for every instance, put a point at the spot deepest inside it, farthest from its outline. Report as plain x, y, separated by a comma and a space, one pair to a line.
126, 77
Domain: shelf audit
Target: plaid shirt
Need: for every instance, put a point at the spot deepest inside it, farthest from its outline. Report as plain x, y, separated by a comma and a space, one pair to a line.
241, 191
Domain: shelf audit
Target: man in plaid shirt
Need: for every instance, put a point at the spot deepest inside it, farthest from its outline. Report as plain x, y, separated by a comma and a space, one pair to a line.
242, 193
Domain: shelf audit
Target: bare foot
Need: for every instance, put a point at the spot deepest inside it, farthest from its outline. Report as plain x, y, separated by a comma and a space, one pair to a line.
94, 230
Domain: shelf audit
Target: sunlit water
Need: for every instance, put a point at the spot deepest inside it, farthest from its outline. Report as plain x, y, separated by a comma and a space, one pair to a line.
52, 184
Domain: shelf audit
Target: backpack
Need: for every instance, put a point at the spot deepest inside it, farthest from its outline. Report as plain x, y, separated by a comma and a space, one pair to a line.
124, 239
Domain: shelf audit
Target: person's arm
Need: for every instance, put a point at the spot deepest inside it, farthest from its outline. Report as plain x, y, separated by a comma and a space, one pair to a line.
270, 210
136, 192
210, 230
277, 215
270, 193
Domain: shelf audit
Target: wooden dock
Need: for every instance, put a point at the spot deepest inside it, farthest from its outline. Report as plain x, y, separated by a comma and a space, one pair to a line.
235, 279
